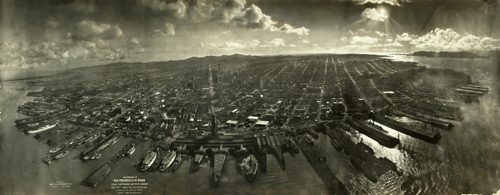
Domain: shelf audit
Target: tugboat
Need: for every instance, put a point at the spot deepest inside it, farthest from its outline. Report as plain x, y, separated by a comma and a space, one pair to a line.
54, 150
62, 154
168, 160
148, 161
128, 150
248, 167
179, 159
48, 160
96, 156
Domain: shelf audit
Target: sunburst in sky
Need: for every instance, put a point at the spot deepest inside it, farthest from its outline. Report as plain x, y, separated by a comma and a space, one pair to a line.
43, 33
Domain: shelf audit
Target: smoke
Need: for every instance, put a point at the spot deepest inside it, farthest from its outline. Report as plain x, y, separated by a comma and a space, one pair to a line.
235, 12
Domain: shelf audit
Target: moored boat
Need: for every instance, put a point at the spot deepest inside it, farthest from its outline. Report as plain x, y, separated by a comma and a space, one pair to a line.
148, 160
168, 160
42, 128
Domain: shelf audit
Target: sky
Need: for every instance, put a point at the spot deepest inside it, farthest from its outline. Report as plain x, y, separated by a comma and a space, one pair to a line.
45, 33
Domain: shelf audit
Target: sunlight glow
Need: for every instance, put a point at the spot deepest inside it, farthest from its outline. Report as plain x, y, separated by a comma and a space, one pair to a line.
379, 14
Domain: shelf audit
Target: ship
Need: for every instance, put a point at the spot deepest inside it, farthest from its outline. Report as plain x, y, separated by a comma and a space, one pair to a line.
428, 135
42, 129
177, 162
168, 160
129, 150
62, 154
54, 150
248, 167
96, 156
375, 132
219, 159
148, 160
179, 159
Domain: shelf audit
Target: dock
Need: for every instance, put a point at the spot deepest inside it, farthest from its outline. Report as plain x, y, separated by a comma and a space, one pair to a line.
428, 135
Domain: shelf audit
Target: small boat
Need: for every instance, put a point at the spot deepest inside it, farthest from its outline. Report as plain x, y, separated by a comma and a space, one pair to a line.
129, 149
48, 161
62, 154
54, 150
96, 156
177, 162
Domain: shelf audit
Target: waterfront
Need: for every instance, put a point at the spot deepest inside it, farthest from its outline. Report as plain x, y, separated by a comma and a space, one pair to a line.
461, 162
24, 173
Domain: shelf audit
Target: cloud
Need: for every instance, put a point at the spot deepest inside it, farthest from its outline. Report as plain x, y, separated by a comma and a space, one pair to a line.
168, 30
365, 40
52, 23
232, 9
389, 2
405, 37
175, 9
370, 41
249, 45
89, 42
375, 14
277, 42
435, 40
254, 18
234, 12
135, 41
450, 40
286, 28
89, 29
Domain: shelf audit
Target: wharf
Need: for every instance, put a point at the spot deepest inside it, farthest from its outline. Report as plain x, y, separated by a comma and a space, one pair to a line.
428, 135
321, 168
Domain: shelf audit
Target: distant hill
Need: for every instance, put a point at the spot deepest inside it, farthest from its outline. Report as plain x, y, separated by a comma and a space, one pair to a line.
459, 54
447, 54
